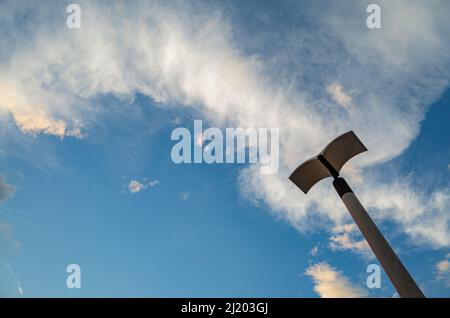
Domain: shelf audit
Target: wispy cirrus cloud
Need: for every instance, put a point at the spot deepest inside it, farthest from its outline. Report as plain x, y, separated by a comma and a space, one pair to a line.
158, 50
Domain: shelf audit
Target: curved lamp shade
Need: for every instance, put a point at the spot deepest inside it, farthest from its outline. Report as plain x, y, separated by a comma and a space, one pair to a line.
329, 162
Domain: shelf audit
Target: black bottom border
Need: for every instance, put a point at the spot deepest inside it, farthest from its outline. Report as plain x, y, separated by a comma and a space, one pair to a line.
228, 307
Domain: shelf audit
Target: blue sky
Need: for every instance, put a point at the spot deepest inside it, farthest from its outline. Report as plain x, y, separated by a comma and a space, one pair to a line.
84, 112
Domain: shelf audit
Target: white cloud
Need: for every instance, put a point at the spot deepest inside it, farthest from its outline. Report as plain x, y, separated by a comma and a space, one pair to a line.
32, 118
424, 219
330, 283
347, 237
158, 50
443, 269
314, 251
338, 94
135, 186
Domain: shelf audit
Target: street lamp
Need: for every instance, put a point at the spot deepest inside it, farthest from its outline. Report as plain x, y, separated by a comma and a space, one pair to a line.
328, 164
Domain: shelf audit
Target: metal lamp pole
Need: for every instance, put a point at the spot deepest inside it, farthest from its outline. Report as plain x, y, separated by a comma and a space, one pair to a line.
328, 164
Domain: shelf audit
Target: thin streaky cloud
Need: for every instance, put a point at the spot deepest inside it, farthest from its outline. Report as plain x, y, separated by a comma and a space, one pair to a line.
204, 64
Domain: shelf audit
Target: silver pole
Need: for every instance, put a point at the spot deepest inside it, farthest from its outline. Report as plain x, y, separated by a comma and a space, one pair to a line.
397, 273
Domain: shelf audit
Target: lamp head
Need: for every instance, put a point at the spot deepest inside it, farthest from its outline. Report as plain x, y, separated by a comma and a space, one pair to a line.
328, 162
